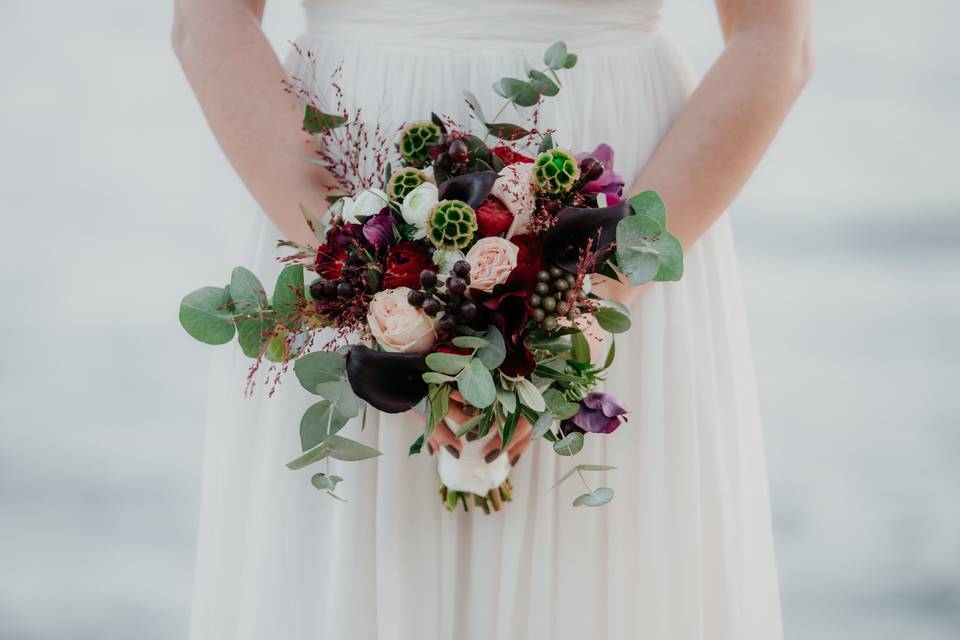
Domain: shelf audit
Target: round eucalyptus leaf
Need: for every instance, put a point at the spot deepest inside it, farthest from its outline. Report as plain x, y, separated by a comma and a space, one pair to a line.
569, 445
206, 316
596, 498
476, 385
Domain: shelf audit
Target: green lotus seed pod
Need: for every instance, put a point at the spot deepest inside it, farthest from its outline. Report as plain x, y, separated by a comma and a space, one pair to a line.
415, 139
555, 171
403, 182
452, 224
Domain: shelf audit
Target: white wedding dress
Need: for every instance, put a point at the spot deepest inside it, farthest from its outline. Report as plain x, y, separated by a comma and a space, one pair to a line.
685, 549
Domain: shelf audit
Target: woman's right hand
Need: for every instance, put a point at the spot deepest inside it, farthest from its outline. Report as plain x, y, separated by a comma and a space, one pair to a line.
459, 413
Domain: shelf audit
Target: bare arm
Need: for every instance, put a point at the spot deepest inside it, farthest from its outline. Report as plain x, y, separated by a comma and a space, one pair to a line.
238, 82
720, 135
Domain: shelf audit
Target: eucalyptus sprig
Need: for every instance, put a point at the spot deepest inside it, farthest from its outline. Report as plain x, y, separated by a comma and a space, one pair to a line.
540, 83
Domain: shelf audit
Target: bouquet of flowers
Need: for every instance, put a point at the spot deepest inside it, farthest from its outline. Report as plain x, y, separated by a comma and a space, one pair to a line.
451, 261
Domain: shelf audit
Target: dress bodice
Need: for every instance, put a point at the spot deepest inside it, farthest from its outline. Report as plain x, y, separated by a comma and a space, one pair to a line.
451, 24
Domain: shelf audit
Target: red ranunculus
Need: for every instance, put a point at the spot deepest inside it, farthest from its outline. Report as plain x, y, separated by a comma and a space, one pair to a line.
405, 261
509, 156
330, 261
493, 218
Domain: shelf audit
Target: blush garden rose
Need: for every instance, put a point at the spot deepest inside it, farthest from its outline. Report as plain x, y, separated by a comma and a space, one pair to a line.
491, 262
397, 326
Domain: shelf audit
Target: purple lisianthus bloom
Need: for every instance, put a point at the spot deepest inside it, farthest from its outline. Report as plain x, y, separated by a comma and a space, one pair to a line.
599, 413
610, 182
343, 235
378, 230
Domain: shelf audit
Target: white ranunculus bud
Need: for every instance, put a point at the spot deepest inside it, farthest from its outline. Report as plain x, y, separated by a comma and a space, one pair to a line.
418, 203
365, 203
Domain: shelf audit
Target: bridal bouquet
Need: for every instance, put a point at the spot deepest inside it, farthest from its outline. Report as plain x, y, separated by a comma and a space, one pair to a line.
446, 263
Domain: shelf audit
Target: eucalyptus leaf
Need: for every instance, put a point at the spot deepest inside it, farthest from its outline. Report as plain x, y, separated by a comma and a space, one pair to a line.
247, 292
469, 342
544, 85
251, 334
518, 91
671, 258
317, 368
475, 105
543, 424
570, 445
341, 394
432, 377
649, 203
556, 55
638, 251
559, 406
476, 385
612, 320
205, 314
583, 467
348, 450
323, 482
546, 143
318, 422
449, 363
611, 354
508, 400
493, 354
596, 498
571, 61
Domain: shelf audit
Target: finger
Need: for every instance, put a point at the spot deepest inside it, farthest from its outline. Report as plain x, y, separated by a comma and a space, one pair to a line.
442, 436
518, 446
493, 449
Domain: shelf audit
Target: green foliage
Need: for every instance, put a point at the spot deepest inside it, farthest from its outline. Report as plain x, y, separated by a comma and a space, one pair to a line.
337, 447
596, 498
519, 92
559, 406
319, 421
323, 482
248, 294
542, 83
205, 314
315, 121
493, 354
556, 56
570, 445
509, 428
649, 203
580, 348
613, 320
530, 395
476, 384
646, 251
507, 131
449, 363
315, 369
581, 468
542, 425
288, 292
417, 445
469, 342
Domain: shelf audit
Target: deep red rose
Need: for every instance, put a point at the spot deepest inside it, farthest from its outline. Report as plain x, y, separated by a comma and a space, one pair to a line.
330, 261
509, 311
405, 261
531, 250
493, 218
509, 156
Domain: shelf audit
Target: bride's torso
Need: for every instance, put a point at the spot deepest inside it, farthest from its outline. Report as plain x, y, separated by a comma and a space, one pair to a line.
456, 24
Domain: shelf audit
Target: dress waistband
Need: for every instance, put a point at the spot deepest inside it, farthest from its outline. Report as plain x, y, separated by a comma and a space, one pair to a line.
481, 24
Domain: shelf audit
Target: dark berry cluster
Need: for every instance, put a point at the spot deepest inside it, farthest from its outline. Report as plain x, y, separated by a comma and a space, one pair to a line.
554, 297
450, 152
451, 299
354, 277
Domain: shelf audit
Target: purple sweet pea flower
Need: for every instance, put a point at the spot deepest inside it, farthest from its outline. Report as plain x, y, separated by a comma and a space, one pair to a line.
599, 413
378, 230
610, 182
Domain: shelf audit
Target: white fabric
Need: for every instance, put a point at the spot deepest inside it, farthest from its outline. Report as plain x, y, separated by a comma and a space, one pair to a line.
683, 552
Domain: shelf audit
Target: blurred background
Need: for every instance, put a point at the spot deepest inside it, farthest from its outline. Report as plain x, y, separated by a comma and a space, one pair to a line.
113, 197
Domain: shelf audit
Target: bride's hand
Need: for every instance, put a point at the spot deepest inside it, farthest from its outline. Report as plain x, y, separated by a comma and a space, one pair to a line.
442, 436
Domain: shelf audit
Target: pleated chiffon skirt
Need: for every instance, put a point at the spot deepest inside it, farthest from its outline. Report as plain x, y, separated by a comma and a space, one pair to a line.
683, 552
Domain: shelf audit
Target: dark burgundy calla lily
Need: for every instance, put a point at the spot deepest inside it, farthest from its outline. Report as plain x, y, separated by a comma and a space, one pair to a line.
575, 227
391, 382
508, 310
378, 230
472, 188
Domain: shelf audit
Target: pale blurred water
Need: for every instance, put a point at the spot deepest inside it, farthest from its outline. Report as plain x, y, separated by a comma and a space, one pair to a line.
114, 197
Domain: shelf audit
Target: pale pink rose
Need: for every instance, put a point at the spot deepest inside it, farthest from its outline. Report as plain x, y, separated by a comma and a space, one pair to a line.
514, 188
398, 326
491, 261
